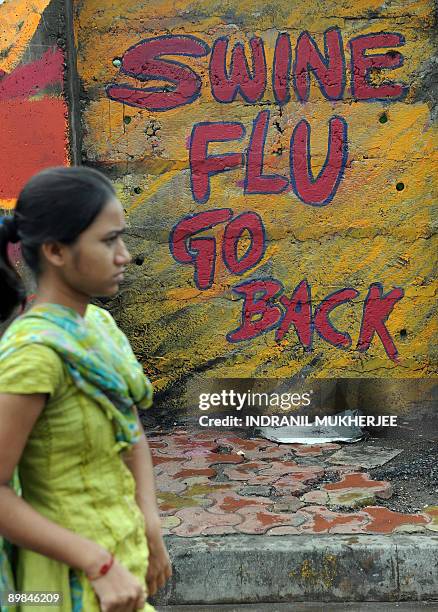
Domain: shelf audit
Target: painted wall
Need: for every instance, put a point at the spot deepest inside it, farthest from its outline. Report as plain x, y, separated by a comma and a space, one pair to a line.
33, 109
277, 165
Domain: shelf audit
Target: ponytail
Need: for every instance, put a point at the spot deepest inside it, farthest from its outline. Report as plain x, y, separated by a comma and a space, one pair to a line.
12, 291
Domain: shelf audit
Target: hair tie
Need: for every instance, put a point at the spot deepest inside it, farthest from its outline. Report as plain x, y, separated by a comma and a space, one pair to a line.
10, 223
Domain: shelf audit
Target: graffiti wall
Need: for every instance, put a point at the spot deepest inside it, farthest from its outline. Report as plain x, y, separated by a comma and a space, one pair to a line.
277, 165
33, 111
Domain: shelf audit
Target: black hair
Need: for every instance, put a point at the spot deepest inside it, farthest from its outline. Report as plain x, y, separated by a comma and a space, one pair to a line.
57, 204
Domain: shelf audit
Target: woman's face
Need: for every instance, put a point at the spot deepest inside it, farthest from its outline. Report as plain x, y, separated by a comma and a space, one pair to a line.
95, 263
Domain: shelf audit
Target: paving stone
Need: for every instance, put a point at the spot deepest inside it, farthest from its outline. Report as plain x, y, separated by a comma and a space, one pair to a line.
167, 469
410, 529
244, 471
201, 460
286, 504
360, 480
219, 530
186, 472
313, 450
169, 485
432, 513
244, 444
298, 519
295, 481
385, 521
365, 456
340, 470
168, 523
156, 443
207, 435
262, 490
261, 521
256, 448
230, 501
194, 480
326, 521
315, 497
194, 521
194, 495
352, 498
290, 486
278, 468
283, 530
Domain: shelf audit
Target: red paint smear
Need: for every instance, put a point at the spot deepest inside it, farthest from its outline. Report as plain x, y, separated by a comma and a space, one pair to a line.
34, 137
32, 78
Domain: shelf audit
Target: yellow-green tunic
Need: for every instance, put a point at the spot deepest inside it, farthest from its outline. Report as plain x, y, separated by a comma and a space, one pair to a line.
72, 473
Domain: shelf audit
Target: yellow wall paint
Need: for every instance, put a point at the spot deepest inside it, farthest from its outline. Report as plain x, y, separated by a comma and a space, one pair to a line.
369, 233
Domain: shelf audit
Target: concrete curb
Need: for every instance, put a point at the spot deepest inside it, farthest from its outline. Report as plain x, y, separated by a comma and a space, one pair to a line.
232, 569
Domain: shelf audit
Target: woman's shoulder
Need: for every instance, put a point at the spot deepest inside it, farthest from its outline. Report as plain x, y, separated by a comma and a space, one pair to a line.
30, 368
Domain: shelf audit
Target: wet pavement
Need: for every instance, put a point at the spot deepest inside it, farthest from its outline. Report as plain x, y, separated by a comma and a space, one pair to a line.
216, 482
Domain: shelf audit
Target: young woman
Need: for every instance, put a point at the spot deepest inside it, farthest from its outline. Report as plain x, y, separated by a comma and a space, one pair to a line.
86, 524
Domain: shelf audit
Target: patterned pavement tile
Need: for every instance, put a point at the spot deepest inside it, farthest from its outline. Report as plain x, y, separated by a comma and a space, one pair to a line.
296, 481
298, 519
352, 498
283, 530
385, 521
277, 469
187, 472
230, 501
360, 480
286, 503
326, 521
167, 468
320, 498
194, 495
256, 449
432, 513
170, 485
156, 443
244, 471
368, 456
261, 521
168, 523
204, 460
410, 529
289, 486
194, 521
313, 450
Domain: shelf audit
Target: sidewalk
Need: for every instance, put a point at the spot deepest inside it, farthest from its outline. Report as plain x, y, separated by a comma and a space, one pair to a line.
249, 520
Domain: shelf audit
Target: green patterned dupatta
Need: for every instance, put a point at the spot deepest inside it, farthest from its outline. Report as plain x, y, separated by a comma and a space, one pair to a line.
97, 356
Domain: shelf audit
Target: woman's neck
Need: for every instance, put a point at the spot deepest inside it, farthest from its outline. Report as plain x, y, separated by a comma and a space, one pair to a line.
56, 293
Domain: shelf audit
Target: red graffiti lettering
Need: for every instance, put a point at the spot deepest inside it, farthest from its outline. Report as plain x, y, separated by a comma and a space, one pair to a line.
200, 252
202, 165
255, 181
324, 326
361, 65
225, 88
298, 313
281, 69
144, 62
260, 314
376, 310
329, 70
257, 295
246, 222
319, 191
